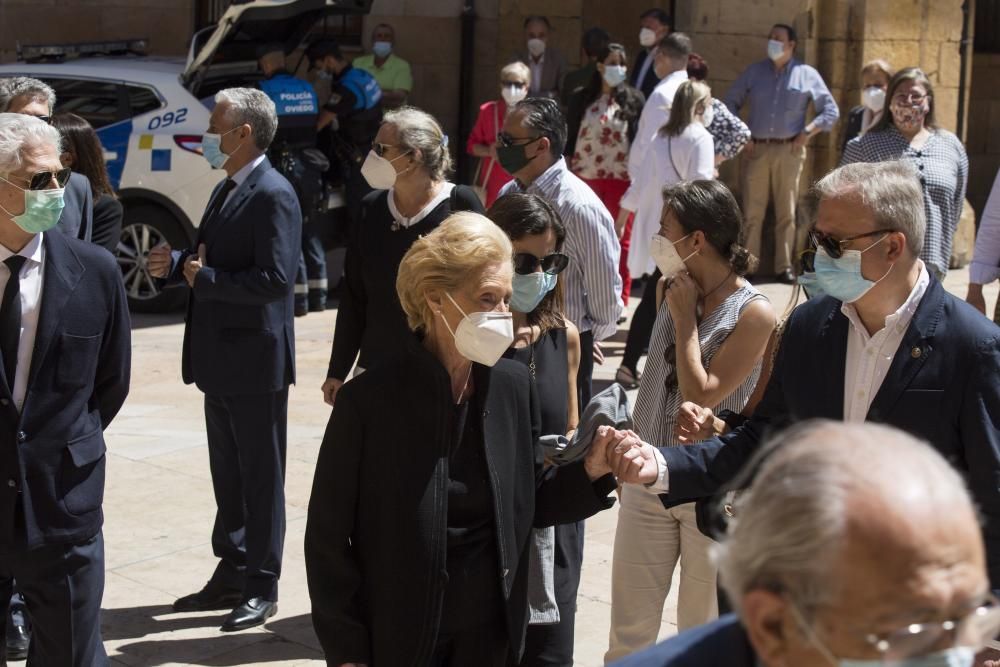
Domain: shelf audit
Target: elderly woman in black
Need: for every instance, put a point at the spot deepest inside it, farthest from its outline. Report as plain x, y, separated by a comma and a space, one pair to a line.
419, 524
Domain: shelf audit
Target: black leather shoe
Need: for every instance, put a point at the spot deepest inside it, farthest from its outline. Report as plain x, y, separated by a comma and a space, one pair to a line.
18, 638
251, 613
786, 277
211, 598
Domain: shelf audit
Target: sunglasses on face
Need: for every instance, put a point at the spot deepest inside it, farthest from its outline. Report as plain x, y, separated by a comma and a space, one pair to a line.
525, 263
506, 141
835, 247
513, 84
381, 148
42, 179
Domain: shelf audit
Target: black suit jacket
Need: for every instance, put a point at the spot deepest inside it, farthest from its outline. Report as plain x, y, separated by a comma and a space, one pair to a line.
77, 219
943, 386
648, 82
52, 461
376, 534
239, 336
721, 643
108, 215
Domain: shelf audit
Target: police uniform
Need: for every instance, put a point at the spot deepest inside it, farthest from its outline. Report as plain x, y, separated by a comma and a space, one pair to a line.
297, 106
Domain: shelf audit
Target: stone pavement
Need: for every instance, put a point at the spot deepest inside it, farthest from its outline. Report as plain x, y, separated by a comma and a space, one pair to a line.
159, 510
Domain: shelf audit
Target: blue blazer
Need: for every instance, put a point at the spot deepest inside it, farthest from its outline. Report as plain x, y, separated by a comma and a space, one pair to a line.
943, 386
52, 453
77, 219
721, 643
239, 336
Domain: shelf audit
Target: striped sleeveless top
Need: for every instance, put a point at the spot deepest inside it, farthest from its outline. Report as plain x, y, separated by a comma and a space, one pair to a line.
659, 396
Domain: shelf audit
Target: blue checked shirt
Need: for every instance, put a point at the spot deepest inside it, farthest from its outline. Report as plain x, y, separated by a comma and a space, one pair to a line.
591, 282
778, 100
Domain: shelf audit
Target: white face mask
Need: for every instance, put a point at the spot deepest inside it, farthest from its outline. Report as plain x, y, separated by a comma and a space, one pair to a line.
379, 172
647, 37
667, 259
873, 97
775, 49
708, 115
536, 47
512, 94
482, 337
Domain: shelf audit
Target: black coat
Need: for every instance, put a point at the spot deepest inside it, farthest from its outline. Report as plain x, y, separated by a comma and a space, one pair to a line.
108, 217
376, 534
52, 456
648, 82
239, 335
77, 218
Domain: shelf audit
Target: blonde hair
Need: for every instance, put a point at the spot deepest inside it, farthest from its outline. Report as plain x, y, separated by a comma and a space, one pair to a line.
878, 65
518, 69
419, 131
689, 95
447, 259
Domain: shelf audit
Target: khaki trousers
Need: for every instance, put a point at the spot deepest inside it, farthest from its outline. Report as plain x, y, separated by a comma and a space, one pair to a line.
648, 543
772, 174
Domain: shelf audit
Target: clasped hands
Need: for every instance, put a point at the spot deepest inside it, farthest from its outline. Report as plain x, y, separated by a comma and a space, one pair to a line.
623, 454
158, 262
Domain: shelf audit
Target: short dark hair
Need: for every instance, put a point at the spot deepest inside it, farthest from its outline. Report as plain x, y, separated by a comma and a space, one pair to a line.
544, 117
676, 46
697, 67
537, 18
323, 48
595, 42
792, 35
659, 15
709, 207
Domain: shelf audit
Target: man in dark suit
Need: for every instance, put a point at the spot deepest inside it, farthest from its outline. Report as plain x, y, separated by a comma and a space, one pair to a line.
855, 544
65, 350
36, 98
654, 25
239, 349
887, 344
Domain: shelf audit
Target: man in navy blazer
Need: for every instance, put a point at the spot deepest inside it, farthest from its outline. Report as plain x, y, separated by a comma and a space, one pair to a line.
855, 543
239, 349
887, 344
654, 25
65, 351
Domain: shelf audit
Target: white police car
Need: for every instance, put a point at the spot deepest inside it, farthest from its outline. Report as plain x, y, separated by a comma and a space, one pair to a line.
150, 114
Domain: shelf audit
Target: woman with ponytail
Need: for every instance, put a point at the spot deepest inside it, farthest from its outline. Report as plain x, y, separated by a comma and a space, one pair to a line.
708, 341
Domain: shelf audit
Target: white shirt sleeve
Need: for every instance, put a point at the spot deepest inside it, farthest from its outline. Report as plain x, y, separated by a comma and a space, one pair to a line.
662, 483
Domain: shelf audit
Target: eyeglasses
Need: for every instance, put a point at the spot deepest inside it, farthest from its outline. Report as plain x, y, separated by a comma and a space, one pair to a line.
525, 263
912, 98
42, 179
973, 630
835, 247
45, 119
380, 148
513, 84
506, 141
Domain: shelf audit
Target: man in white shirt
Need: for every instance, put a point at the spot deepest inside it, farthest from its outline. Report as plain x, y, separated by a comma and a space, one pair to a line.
887, 344
670, 62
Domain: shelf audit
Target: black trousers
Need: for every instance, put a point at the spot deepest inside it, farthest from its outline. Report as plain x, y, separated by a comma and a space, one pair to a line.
247, 442
551, 645
641, 328
484, 646
312, 266
62, 587
585, 375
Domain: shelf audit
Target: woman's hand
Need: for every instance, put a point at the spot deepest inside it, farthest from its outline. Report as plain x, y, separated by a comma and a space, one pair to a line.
694, 423
682, 297
330, 388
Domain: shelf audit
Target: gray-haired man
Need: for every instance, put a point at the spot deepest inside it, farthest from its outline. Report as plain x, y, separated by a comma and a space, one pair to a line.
239, 349
856, 544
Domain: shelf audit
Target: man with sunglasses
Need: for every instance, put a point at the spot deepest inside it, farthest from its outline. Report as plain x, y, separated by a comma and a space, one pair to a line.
886, 344
65, 350
856, 545
32, 97
530, 149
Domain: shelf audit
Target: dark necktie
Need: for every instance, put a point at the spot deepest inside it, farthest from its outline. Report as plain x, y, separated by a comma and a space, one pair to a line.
10, 318
216, 206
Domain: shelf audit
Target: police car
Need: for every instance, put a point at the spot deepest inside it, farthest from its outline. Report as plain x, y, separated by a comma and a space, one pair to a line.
150, 114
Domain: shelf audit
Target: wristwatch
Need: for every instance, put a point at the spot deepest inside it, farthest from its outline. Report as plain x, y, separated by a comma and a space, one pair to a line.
732, 419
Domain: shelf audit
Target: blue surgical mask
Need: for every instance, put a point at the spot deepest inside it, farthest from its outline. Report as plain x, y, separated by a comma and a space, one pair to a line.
614, 75
810, 285
211, 148
382, 49
42, 209
529, 290
841, 278
775, 49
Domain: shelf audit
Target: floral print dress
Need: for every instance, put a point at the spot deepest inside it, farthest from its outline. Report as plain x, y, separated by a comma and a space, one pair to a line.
602, 145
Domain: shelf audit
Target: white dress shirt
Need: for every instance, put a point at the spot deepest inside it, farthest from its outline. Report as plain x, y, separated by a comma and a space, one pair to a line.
655, 115
536, 67
401, 220
869, 357
31, 298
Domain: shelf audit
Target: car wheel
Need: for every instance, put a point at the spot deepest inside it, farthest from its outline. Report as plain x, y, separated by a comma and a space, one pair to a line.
145, 228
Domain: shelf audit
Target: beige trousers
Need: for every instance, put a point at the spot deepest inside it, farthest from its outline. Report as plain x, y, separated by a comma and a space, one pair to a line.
648, 543
772, 174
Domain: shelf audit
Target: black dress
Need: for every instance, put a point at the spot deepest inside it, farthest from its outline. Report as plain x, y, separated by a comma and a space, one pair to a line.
553, 644
370, 320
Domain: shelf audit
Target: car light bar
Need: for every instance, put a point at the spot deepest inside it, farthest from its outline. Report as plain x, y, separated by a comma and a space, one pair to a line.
189, 142
36, 52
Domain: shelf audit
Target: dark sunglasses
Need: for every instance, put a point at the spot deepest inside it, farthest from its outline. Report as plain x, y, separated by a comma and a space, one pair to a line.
835, 247
45, 119
380, 148
525, 263
515, 84
43, 179
506, 141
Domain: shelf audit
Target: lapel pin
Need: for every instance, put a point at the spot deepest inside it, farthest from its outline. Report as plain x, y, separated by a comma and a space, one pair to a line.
916, 352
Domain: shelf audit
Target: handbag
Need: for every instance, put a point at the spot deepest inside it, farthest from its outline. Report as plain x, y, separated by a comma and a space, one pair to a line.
479, 186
